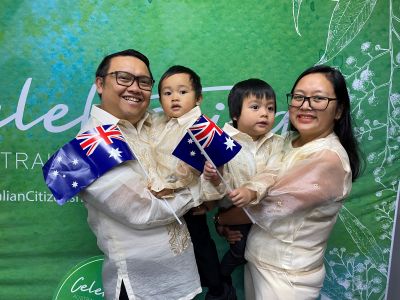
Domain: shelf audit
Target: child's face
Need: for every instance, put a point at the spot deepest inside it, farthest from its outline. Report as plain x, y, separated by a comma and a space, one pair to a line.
177, 95
257, 116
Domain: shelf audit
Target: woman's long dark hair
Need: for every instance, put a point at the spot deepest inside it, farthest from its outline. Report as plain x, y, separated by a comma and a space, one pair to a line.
343, 126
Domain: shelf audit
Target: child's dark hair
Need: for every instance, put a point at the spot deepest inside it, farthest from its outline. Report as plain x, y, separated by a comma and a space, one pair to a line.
194, 78
250, 87
343, 126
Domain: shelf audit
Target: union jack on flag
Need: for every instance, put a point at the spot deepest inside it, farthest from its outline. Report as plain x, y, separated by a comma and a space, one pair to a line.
205, 130
72, 168
211, 139
92, 138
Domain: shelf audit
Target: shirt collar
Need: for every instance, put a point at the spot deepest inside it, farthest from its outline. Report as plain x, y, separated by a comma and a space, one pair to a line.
230, 130
102, 116
105, 117
194, 113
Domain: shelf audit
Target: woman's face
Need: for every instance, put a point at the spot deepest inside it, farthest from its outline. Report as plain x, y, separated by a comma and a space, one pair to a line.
313, 124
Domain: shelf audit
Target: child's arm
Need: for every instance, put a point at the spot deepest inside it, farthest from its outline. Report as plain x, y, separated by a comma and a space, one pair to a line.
212, 187
256, 188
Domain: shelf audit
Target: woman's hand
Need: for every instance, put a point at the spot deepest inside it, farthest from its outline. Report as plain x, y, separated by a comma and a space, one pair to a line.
232, 236
242, 196
202, 209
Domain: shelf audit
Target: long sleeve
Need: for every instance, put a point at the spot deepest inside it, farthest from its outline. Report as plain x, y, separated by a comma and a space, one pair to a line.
311, 181
122, 195
266, 175
211, 192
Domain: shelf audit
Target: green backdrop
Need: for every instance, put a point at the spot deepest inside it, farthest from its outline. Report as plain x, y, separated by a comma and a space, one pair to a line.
49, 51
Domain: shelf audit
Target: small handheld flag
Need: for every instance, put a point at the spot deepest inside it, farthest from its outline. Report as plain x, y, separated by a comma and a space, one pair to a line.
84, 159
213, 141
206, 141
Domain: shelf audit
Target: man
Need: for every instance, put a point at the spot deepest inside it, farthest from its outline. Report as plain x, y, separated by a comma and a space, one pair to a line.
148, 255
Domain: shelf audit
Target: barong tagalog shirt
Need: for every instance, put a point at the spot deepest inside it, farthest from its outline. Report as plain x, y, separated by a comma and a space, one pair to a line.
251, 159
168, 171
297, 213
142, 242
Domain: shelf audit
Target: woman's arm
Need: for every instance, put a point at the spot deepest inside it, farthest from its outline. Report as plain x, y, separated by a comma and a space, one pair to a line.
232, 216
312, 181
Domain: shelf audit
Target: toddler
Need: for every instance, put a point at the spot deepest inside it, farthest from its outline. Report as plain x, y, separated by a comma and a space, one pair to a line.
252, 107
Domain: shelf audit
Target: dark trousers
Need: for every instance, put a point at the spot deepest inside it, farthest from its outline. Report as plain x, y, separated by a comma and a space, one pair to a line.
205, 252
122, 294
234, 257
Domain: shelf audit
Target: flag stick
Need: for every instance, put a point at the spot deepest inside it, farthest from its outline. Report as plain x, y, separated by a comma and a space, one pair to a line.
228, 187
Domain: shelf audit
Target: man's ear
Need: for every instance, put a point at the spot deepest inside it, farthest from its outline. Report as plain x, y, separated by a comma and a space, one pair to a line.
199, 100
99, 85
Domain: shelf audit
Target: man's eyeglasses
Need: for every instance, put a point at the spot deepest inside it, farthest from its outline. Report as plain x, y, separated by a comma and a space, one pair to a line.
127, 79
315, 102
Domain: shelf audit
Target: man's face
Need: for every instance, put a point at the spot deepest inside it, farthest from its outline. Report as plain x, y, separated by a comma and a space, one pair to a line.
127, 103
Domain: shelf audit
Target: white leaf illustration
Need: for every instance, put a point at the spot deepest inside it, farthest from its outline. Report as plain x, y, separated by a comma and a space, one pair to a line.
362, 237
296, 14
348, 18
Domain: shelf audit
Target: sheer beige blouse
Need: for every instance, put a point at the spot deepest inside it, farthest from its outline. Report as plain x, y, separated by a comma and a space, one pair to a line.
296, 214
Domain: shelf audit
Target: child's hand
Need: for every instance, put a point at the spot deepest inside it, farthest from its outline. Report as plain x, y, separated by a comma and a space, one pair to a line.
210, 174
164, 194
242, 196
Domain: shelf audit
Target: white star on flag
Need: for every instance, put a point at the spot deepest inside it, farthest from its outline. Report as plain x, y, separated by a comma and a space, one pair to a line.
75, 162
55, 173
74, 184
190, 141
229, 143
192, 153
115, 153
59, 158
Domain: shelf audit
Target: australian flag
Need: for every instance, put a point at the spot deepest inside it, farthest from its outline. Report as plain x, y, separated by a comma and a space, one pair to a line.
216, 144
84, 159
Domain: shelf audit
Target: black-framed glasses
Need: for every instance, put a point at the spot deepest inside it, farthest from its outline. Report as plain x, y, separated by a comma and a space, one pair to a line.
315, 102
127, 79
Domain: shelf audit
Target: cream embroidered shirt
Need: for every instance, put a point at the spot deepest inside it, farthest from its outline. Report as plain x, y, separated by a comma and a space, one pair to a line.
297, 213
168, 171
143, 244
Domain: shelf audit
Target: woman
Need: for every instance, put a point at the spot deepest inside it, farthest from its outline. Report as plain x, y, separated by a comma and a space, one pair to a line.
295, 215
